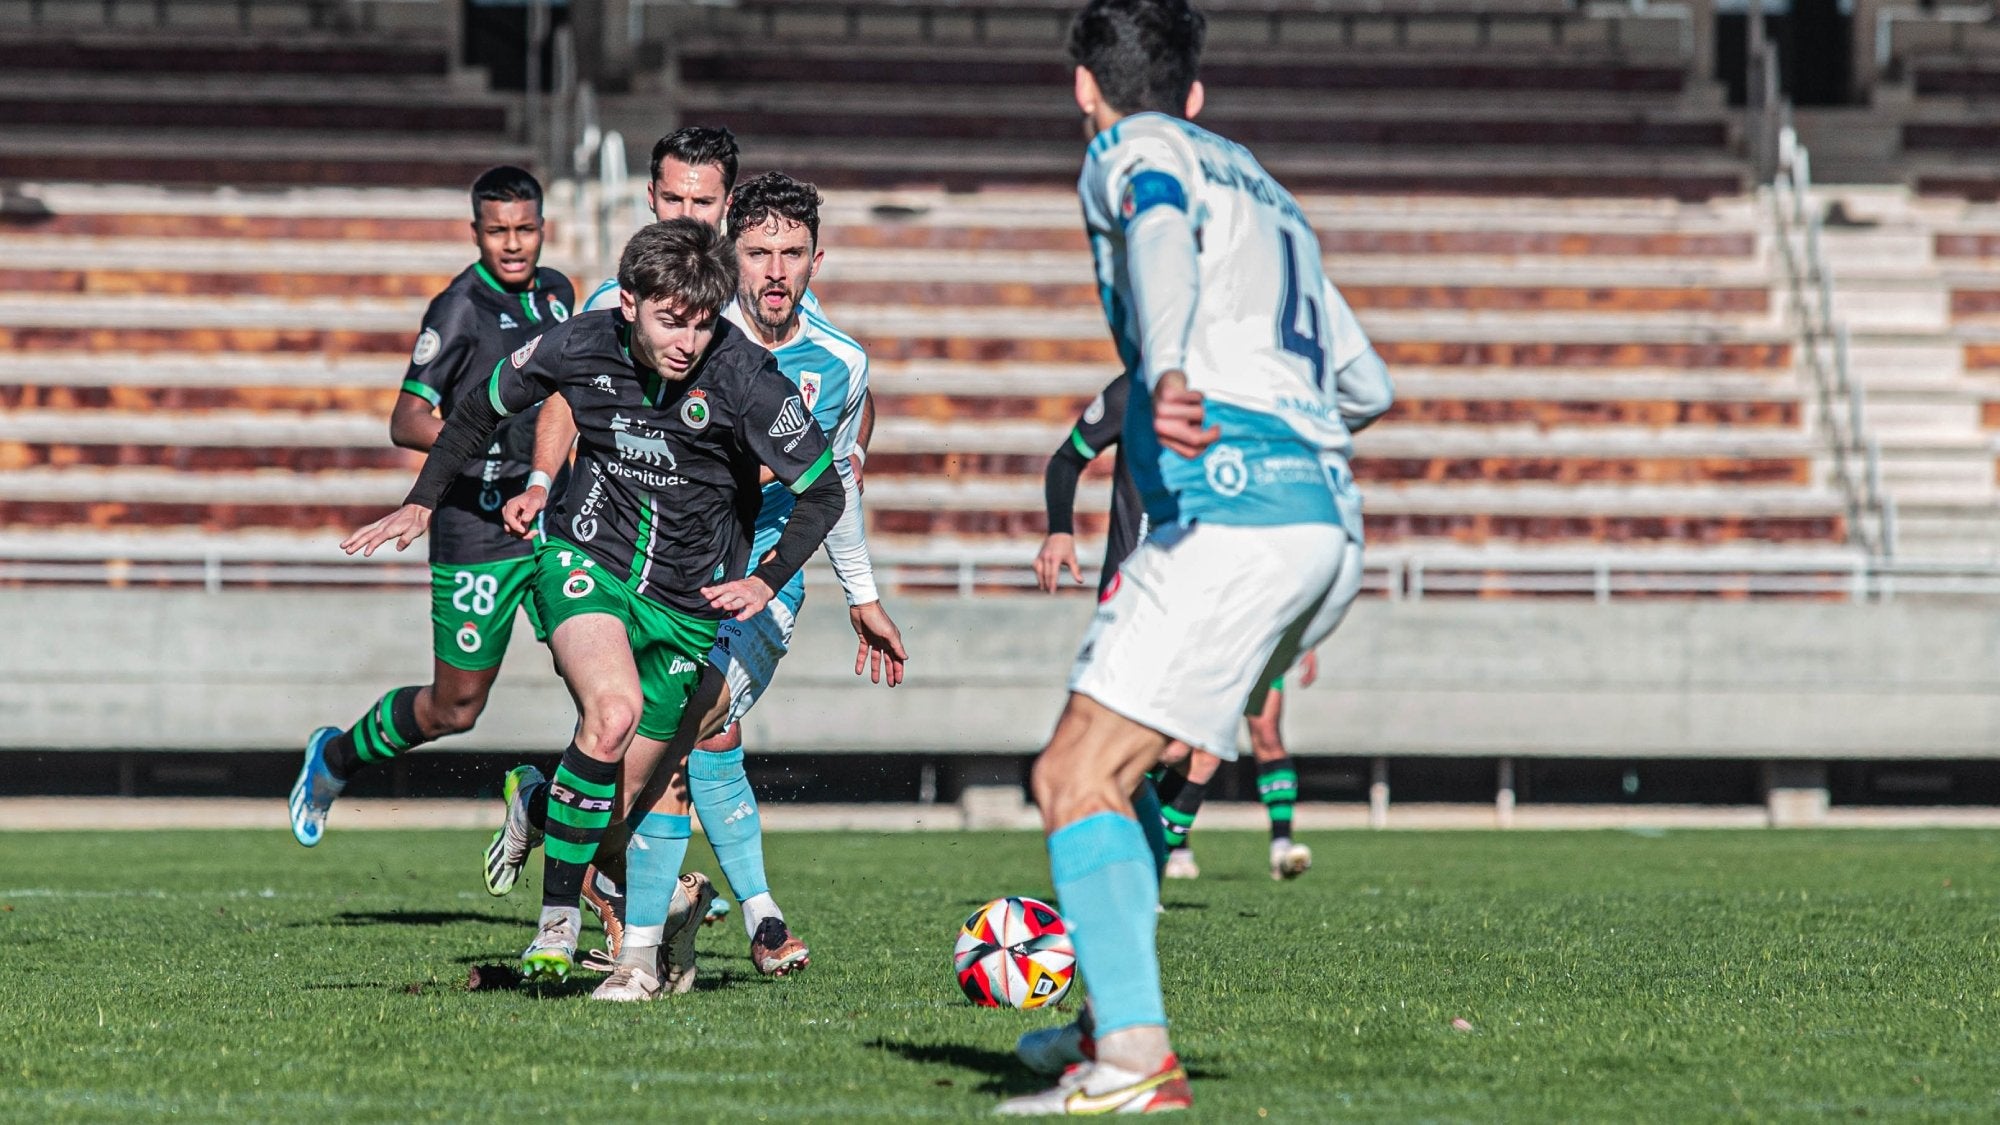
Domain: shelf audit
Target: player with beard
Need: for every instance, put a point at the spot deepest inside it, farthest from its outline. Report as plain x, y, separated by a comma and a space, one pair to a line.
677, 412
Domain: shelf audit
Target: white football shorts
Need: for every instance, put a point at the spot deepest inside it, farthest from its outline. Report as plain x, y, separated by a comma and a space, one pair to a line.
747, 652
1200, 619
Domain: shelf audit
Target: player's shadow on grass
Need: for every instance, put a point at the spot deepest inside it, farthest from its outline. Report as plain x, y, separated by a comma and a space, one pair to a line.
1005, 1076
411, 918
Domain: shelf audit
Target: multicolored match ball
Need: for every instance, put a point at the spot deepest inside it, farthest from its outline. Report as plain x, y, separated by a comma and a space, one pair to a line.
1015, 953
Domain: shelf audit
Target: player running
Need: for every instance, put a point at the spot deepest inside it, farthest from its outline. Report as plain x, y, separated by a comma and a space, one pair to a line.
480, 573
1248, 371
774, 224
678, 411
1180, 789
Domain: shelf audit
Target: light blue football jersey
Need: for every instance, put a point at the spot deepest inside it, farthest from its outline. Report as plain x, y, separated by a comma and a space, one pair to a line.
1268, 342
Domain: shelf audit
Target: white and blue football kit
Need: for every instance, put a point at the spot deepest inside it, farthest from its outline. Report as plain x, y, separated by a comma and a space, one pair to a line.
831, 372
1207, 266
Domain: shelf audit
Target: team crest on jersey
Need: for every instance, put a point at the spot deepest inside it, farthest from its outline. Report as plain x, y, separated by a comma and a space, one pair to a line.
809, 384
1227, 474
793, 419
468, 638
428, 346
694, 412
558, 310
526, 352
578, 584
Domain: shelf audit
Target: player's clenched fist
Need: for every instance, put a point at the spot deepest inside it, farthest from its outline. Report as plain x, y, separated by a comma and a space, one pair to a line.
405, 525
520, 513
1177, 417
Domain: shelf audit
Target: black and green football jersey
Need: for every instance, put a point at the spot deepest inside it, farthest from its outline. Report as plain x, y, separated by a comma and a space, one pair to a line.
664, 494
472, 325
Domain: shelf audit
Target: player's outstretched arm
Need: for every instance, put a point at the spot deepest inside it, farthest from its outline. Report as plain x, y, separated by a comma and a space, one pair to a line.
555, 436
405, 525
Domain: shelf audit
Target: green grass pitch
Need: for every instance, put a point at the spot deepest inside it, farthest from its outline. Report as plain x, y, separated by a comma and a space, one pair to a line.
1693, 976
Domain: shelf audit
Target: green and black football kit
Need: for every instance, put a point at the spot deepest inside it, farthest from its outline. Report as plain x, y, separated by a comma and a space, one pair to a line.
481, 574
662, 502
664, 495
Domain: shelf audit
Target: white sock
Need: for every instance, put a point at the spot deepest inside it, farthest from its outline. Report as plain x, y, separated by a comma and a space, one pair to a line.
758, 907
573, 913
641, 947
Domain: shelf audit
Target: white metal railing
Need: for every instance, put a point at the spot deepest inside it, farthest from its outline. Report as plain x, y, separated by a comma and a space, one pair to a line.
1839, 399
1391, 574
1886, 20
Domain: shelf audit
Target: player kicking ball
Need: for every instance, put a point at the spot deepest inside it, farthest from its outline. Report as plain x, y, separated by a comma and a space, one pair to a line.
480, 573
1247, 367
1181, 788
677, 411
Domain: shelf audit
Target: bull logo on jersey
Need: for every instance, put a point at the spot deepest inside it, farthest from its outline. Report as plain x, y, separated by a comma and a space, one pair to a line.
809, 384
525, 352
1227, 474
603, 383
428, 346
645, 448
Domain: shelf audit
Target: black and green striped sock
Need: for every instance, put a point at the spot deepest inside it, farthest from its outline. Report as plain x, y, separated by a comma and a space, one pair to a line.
387, 729
1178, 814
1278, 788
580, 802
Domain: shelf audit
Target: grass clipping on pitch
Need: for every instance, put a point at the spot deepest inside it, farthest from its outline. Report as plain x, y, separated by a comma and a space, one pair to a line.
1409, 977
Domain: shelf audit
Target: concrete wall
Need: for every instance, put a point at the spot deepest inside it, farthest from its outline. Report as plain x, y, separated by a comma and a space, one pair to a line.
257, 670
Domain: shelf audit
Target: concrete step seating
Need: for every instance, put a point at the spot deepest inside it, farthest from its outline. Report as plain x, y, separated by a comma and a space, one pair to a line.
825, 93
178, 107
1593, 374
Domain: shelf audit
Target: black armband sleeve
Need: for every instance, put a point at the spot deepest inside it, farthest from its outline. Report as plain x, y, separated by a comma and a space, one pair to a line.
466, 434
814, 513
1059, 488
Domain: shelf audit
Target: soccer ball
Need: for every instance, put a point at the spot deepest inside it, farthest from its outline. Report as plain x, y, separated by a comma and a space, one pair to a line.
1015, 952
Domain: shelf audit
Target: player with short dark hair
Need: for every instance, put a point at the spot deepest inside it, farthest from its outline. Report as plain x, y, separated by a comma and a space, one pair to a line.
479, 571
1248, 374
677, 412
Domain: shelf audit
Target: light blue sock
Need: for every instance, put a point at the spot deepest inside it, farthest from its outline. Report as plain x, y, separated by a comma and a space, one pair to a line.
1146, 806
1109, 892
721, 794
652, 868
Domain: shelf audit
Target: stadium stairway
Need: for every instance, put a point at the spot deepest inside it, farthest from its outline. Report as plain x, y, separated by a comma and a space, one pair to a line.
1917, 279
267, 107
212, 373
1510, 98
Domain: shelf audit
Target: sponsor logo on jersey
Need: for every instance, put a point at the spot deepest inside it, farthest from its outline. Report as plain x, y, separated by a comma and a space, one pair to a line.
793, 419
603, 383
694, 412
680, 667
558, 310
584, 527
468, 638
647, 447
526, 352
578, 584
1094, 413
507, 321
719, 572
809, 384
1227, 474
428, 346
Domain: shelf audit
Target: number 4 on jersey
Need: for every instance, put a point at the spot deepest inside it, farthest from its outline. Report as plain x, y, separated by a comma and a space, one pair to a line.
1304, 344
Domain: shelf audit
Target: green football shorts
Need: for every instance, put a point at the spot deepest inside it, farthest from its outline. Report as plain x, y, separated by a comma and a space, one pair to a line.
473, 607
669, 648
